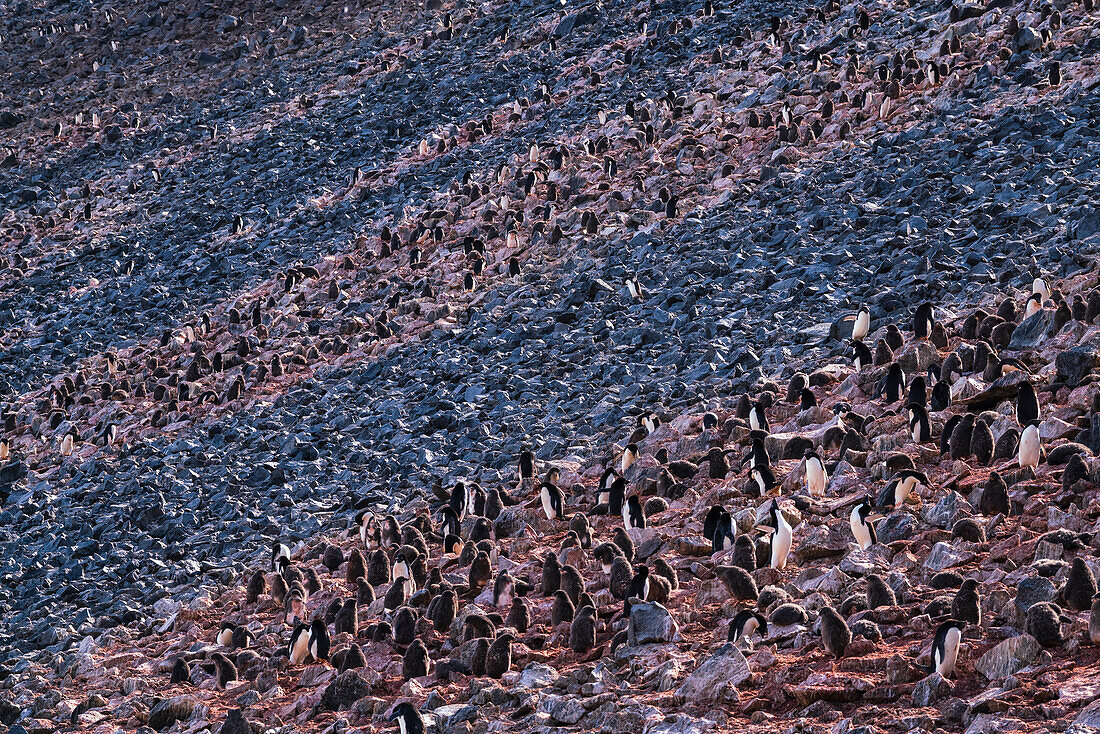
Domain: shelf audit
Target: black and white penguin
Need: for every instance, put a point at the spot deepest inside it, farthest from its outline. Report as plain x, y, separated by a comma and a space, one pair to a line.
1039, 287
1027, 404
318, 640
1034, 305
650, 421
603, 491
409, 720
710, 421
835, 634
710, 522
526, 466
279, 550
861, 327
757, 454
860, 355
920, 427
225, 634
366, 523
461, 500
616, 496
893, 388
634, 287
552, 501
923, 321
724, 535
780, 530
452, 524
763, 478
630, 455
758, 419
1029, 452
298, 647
862, 523
894, 494
817, 477
745, 624
945, 647
633, 514
918, 391
806, 399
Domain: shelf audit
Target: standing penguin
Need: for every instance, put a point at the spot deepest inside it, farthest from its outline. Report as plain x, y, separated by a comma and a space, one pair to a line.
633, 514
967, 605
758, 419
1034, 305
894, 385
781, 536
409, 720
835, 634
582, 632
994, 498
225, 670
923, 321
318, 640
298, 647
945, 647
630, 455
527, 468
723, 536
900, 487
919, 425
460, 500
1027, 404
918, 391
279, 550
862, 522
816, 474
860, 355
745, 624
1094, 620
862, 324
1080, 586
498, 660
763, 478
1029, 452
552, 501
757, 454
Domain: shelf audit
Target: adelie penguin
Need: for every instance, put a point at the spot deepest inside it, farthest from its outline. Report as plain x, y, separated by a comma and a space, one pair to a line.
582, 631
763, 479
817, 477
745, 624
757, 454
409, 720
225, 634
1034, 305
298, 647
758, 419
923, 321
835, 634
945, 647
723, 537
920, 427
279, 550
630, 455
1027, 404
897, 491
225, 670
779, 529
1029, 452
861, 326
862, 523
633, 514
318, 640
552, 501
893, 388
860, 355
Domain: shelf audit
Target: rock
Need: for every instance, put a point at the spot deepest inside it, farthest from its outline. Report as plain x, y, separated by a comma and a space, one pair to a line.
1033, 330
1032, 590
170, 710
536, 675
895, 527
1075, 363
945, 512
9, 119
1008, 657
716, 680
916, 358
341, 693
933, 688
1028, 39
510, 522
1089, 716
562, 709
651, 622
824, 541
944, 555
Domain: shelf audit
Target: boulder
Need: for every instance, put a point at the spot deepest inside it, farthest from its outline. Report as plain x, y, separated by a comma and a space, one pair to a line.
1008, 657
717, 678
651, 622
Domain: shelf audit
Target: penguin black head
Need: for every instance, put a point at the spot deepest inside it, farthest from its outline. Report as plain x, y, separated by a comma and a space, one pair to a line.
409, 720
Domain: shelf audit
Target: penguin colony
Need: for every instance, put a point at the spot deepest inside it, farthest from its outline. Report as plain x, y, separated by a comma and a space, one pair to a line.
677, 515
312, 606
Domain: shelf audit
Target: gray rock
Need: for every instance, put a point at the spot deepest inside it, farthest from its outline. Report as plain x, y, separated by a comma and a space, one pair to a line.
1030, 591
1075, 363
933, 688
716, 680
170, 710
346, 689
562, 709
1008, 657
944, 555
651, 622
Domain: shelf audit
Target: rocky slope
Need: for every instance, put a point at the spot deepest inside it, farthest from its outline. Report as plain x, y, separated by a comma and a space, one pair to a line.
236, 245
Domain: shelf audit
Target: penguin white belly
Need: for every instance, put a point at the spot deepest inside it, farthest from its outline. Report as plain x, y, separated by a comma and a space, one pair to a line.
1029, 447
603, 498
606, 567
781, 546
816, 476
859, 530
754, 422
759, 482
861, 326
401, 724
547, 506
225, 637
916, 431
1032, 308
300, 650
950, 652
750, 627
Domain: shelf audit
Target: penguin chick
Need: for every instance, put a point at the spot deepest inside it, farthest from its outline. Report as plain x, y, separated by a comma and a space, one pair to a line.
562, 610
572, 583
620, 577
582, 631
579, 525
967, 606
257, 585
1080, 586
835, 634
404, 626
551, 574
994, 499
622, 539
519, 616
738, 582
879, 593
498, 660
481, 570
414, 663
225, 669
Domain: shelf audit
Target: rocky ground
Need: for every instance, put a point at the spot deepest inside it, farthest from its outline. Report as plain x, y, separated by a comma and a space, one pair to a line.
236, 246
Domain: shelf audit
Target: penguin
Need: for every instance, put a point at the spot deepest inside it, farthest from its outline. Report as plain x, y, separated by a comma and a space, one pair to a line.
442, 610
551, 574
298, 648
460, 500
409, 720
241, 637
764, 479
862, 523
633, 514
403, 562
807, 399
347, 619
356, 567
414, 664
945, 647
1039, 287
817, 477
879, 593
603, 492
225, 670
923, 321
981, 441
404, 626
225, 634
279, 550
920, 428
318, 640
994, 499
757, 454
552, 501
723, 536
622, 539
710, 522
452, 523
1034, 305
579, 525
948, 428
1027, 404
527, 468
278, 590
650, 421
572, 583
894, 385
1080, 586
616, 496
378, 568
481, 570
620, 577
630, 455
744, 553
503, 589
562, 609
835, 634
862, 324
780, 531
1029, 452
918, 391
68, 441
634, 287
967, 606
639, 583
758, 419
498, 660
745, 624
181, 673
1094, 620
582, 631
5, 449
860, 355
897, 491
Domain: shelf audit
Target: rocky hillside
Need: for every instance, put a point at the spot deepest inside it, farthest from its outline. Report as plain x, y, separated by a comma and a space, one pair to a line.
266, 268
